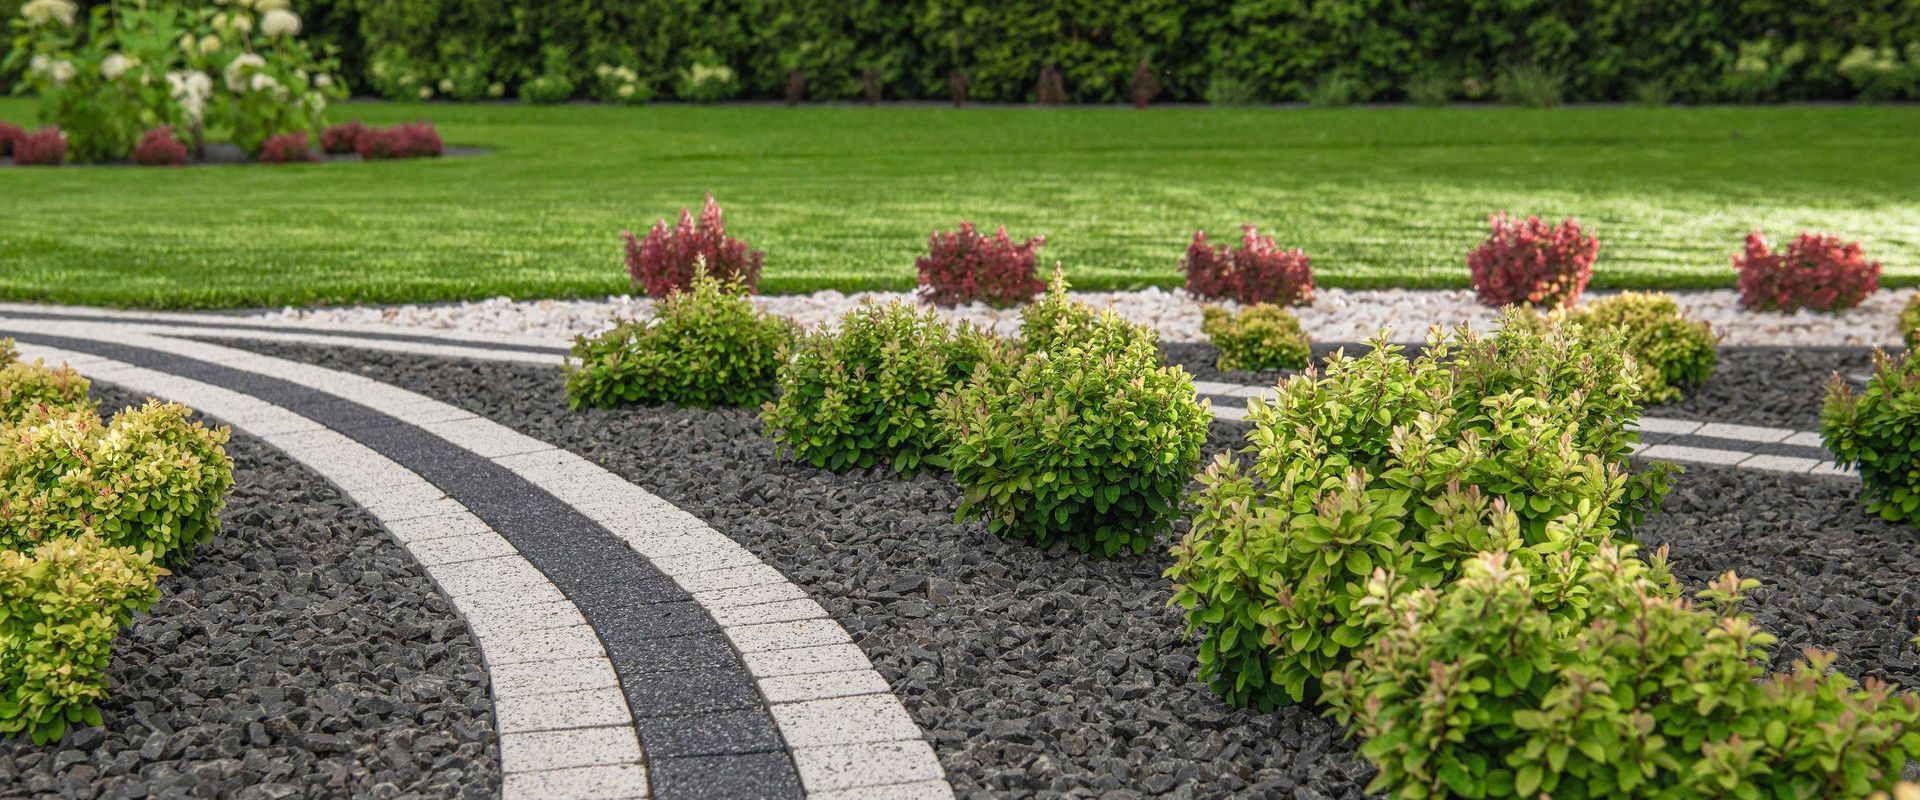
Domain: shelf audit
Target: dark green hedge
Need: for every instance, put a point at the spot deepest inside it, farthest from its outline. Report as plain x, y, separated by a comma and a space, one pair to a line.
1605, 49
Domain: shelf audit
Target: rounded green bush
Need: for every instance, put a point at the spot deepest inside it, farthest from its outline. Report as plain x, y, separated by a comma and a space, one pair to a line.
1910, 323
706, 347
863, 396
1088, 441
1874, 430
1672, 351
1263, 336
26, 389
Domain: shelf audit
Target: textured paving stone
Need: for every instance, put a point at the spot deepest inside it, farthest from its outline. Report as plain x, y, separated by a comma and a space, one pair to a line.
609, 782
860, 719
822, 685
574, 747
732, 732
1745, 433
805, 660
584, 708
832, 768
787, 635
759, 776
1695, 455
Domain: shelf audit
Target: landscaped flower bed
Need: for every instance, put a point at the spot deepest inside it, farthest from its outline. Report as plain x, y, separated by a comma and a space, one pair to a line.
1035, 671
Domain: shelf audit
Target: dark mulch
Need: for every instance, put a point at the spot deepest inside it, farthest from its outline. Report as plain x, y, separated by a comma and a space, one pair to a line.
302, 654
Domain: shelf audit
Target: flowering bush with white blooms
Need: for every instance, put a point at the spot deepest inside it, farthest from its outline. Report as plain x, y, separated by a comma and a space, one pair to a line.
620, 84
231, 69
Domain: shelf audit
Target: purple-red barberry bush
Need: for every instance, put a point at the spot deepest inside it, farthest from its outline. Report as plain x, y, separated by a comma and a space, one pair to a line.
340, 140
1533, 263
966, 265
1816, 271
286, 148
664, 262
1258, 271
414, 140
46, 147
160, 148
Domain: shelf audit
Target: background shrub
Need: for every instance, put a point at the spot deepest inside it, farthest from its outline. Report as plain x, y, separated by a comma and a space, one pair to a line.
665, 262
1256, 272
24, 388
966, 266
46, 147
286, 148
863, 396
704, 348
60, 608
1816, 271
1430, 90
1089, 443
342, 139
1530, 85
1402, 465
1874, 432
9, 133
152, 479
1533, 263
1275, 50
412, 140
1671, 350
1498, 686
159, 148
1259, 337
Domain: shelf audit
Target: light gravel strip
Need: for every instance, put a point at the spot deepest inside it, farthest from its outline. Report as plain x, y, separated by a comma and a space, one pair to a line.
521, 622
721, 576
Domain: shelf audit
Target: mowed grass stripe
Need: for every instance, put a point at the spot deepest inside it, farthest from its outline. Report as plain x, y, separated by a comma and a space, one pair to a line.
843, 197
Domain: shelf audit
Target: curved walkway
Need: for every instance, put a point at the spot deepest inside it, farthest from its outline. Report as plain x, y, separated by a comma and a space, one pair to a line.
1683, 441
633, 650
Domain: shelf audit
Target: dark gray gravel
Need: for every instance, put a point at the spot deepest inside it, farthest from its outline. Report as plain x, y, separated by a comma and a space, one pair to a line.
302, 654
1782, 387
1047, 674
1037, 674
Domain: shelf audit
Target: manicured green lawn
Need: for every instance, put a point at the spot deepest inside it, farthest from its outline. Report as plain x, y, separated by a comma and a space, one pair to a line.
845, 197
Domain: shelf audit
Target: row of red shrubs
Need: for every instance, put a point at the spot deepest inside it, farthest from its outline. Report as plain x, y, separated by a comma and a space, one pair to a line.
160, 147
1523, 261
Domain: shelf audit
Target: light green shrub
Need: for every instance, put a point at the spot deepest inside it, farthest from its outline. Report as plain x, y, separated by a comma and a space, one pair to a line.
1531, 85
1672, 351
1910, 323
25, 388
1878, 432
152, 479
60, 609
1430, 90
704, 348
1260, 337
864, 395
1088, 441
1056, 319
1389, 463
1589, 676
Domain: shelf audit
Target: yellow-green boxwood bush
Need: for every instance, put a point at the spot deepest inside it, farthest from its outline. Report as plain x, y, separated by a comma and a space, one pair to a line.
27, 388
1385, 462
1088, 441
1672, 350
60, 608
1595, 678
152, 479
1263, 336
1878, 431
706, 347
1056, 319
863, 395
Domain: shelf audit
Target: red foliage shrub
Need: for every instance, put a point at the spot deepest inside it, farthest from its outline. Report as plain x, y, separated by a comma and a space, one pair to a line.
414, 140
663, 263
339, 140
9, 133
286, 148
1815, 271
159, 148
46, 147
1529, 261
966, 265
1258, 272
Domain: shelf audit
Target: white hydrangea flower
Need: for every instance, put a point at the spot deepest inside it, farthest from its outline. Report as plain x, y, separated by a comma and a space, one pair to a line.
323, 81
116, 65
603, 70
60, 72
426, 92
40, 12
40, 64
240, 67
209, 44
191, 89
316, 101
496, 89
263, 82
446, 85
625, 91
280, 22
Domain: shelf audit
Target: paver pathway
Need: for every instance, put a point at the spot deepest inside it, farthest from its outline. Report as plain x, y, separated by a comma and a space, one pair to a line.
633, 651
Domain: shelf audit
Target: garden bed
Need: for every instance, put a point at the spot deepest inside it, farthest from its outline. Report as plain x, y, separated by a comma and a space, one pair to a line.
302, 653
1051, 672
221, 154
